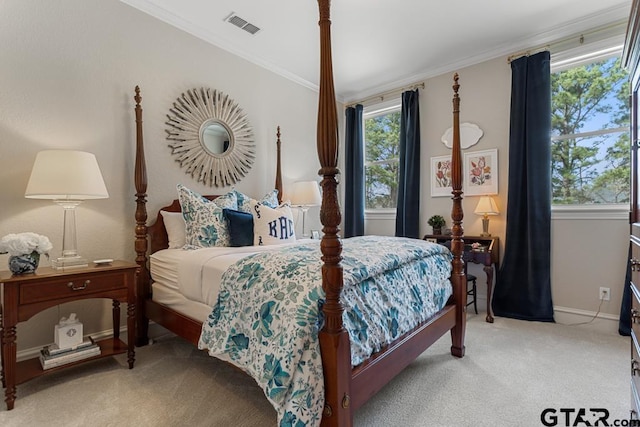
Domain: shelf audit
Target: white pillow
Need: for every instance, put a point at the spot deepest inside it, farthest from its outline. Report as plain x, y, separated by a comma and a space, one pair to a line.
176, 228
272, 226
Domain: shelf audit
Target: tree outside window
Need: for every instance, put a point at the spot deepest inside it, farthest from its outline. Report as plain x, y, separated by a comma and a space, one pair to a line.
590, 134
381, 138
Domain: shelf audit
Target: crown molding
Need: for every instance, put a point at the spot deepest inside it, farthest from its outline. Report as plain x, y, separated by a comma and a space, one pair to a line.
608, 16
572, 28
207, 36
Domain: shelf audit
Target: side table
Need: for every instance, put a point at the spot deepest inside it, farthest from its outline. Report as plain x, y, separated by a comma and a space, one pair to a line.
26, 295
489, 257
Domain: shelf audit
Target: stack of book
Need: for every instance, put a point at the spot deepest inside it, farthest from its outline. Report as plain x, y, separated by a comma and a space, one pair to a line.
52, 356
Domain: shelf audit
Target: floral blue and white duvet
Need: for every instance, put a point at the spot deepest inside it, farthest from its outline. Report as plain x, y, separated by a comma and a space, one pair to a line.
269, 312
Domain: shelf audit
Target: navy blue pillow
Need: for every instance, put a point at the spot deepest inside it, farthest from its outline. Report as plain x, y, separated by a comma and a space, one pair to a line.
240, 227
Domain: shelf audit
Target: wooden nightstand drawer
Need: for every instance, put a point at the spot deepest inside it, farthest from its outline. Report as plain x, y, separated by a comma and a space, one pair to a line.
71, 286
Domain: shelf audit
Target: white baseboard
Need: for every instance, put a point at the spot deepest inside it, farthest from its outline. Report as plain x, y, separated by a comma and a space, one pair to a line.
604, 322
30, 353
155, 331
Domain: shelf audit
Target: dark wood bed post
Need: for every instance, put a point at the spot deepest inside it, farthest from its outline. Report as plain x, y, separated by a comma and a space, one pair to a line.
278, 185
458, 278
141, 244
334, 339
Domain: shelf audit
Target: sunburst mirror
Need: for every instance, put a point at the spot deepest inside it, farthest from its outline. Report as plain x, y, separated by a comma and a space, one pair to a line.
211, 137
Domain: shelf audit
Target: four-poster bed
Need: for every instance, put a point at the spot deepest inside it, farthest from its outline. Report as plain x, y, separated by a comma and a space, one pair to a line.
345, 387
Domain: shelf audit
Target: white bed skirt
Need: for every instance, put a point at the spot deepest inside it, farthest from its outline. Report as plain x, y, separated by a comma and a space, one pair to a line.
176, 301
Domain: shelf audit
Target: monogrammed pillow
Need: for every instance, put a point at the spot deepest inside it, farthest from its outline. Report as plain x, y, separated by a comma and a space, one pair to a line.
272, 226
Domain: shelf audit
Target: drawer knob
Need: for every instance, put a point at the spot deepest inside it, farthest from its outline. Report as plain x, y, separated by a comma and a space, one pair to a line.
635, 367
73, 286
635, 264
635, 315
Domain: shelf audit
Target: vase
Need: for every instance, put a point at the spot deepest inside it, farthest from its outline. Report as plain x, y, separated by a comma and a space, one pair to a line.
437, 231
24, 264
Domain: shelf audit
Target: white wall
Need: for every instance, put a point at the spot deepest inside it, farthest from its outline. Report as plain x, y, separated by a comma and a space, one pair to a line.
68, 73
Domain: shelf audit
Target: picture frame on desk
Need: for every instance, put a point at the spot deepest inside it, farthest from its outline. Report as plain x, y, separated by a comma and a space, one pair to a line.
481, 172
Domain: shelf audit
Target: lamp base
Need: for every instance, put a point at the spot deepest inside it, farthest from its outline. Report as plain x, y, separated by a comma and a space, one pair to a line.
304, 210
69, 262
485, 227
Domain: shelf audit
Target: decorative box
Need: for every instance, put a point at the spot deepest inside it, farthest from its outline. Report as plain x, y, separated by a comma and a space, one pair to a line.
68, 333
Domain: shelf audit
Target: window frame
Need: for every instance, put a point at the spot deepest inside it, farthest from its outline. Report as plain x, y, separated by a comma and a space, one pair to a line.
369, 112
571, 58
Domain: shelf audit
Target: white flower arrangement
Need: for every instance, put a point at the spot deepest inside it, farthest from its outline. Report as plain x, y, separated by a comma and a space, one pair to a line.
25, 243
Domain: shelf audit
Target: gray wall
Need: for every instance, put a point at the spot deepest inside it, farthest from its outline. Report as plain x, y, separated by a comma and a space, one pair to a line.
67, 79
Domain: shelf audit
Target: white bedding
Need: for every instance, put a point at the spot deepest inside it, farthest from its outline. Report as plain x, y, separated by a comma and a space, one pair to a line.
196, 274
176, 301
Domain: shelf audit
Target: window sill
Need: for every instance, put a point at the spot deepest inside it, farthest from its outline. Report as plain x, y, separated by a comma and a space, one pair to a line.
597, 212
380, 214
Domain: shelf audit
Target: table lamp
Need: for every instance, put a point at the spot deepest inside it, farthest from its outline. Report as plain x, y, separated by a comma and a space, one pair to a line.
486, 206
304, 195
67, 177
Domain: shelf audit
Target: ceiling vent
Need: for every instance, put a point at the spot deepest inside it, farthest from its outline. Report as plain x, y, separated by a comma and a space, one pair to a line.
241, 23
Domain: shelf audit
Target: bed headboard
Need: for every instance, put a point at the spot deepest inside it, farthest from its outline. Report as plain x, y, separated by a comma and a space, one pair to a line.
157, 233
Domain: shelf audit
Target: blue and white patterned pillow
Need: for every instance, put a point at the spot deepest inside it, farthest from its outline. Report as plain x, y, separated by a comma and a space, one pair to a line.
246, 203
206, 225
272, 226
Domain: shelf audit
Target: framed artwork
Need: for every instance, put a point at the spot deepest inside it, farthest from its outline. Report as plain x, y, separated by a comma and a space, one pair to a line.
480, 172
441, 176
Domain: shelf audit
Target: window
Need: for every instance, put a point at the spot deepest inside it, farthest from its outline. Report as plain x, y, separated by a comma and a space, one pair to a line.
382, 150
590, 133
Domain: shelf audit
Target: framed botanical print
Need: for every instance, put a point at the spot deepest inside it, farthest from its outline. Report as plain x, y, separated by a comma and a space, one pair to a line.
441, 176
481, 172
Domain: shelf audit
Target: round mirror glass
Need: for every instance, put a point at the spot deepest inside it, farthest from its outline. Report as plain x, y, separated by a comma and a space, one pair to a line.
215, 137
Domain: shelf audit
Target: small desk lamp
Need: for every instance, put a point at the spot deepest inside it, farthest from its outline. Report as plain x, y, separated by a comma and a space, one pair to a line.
304, 195
486, 206
67, 177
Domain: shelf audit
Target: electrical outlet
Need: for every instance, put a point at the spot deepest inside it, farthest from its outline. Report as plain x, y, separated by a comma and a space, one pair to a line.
605, 294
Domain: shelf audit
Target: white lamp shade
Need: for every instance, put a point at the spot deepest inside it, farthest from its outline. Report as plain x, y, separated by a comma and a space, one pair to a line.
66, 174
486, 206
305, 193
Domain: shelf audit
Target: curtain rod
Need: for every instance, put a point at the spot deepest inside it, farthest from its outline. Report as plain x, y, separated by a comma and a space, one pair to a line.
382, 96
607, 29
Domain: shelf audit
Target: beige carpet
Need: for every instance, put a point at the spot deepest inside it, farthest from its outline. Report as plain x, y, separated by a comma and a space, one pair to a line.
513, 370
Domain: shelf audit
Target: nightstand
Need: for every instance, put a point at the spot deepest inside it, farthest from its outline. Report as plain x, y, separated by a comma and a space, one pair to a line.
26, 295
